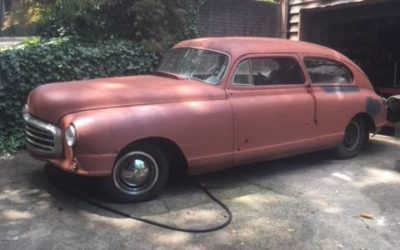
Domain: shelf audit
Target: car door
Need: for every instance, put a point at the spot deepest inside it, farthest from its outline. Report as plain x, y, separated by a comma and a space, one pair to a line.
273, 109
338, 98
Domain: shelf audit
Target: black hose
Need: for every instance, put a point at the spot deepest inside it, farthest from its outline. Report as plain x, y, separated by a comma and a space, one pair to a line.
151, 222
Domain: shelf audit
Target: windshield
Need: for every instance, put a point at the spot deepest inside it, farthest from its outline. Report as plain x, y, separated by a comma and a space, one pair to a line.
197, 64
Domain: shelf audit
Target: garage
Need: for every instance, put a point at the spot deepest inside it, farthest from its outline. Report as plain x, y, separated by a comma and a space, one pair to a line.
368, 32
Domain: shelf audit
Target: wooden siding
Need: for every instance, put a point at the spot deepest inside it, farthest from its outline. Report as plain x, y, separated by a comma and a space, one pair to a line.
295, 7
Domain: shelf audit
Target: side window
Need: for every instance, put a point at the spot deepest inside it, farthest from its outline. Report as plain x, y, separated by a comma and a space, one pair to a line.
327, 71
276, 70
242, 74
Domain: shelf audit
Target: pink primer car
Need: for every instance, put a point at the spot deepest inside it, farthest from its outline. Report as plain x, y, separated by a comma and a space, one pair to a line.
212, 104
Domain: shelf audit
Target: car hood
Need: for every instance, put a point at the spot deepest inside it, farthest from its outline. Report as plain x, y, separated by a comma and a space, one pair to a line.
52, 101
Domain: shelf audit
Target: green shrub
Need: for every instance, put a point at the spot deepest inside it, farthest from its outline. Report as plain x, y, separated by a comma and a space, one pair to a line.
37, 62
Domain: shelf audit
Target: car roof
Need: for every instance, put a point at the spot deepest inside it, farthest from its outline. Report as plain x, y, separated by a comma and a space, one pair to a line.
238, 46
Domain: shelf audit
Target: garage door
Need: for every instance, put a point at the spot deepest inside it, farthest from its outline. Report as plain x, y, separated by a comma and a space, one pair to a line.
367, 33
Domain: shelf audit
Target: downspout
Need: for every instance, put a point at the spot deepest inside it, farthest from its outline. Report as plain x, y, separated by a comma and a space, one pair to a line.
284, 18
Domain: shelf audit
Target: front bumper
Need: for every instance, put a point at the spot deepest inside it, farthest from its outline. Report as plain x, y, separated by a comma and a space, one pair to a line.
85, 165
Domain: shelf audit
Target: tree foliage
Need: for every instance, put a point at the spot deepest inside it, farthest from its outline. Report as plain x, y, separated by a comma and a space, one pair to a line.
155, 23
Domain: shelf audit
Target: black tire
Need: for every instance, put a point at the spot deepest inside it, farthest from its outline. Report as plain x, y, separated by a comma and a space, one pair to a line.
367, 138
138, 174
354, 139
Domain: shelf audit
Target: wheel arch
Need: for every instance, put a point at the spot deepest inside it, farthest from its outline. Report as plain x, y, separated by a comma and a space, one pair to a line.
176, 158
369, 121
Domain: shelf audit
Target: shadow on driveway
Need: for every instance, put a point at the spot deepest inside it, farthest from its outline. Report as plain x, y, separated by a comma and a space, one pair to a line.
310, 201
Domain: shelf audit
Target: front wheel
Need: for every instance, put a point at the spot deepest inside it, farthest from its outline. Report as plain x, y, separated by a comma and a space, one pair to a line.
355, 136
139, 174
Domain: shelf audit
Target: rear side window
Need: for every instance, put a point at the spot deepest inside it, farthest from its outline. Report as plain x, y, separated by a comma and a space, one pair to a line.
269, 71
327, 71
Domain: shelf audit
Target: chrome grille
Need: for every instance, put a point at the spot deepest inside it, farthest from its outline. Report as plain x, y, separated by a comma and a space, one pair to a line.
42, 138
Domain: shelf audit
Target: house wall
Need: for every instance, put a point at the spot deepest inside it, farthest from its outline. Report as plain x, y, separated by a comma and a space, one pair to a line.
240, 18
296, 7
366, 31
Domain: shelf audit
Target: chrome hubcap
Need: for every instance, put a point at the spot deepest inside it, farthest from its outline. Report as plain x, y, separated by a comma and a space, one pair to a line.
135, 173
352, 136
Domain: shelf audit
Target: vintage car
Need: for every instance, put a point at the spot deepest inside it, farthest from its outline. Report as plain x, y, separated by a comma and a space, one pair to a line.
213, 103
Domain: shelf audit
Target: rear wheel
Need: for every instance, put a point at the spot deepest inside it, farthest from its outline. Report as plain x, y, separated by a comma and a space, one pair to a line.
139, 174
355, 137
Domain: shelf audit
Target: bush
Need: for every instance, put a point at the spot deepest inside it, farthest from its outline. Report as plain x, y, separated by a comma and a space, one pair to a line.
37, 62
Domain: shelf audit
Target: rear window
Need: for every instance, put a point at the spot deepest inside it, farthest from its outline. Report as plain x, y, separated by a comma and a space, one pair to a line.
323, 70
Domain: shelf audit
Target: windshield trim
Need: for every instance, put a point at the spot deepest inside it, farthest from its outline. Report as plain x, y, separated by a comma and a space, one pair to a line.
207, 49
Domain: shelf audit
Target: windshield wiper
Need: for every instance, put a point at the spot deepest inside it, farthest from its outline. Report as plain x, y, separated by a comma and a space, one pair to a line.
168, 74
194, 78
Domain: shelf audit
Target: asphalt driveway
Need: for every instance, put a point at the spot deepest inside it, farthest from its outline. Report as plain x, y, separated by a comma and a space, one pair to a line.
10, 41
304, 202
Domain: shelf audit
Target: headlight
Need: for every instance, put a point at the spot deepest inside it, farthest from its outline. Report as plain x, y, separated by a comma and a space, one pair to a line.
70, 135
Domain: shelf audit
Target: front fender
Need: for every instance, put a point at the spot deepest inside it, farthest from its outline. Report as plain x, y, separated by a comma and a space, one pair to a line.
203, 130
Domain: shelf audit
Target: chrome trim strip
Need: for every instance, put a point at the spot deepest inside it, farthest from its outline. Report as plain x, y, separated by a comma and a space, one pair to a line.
50, 148
37, 131
38, 138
